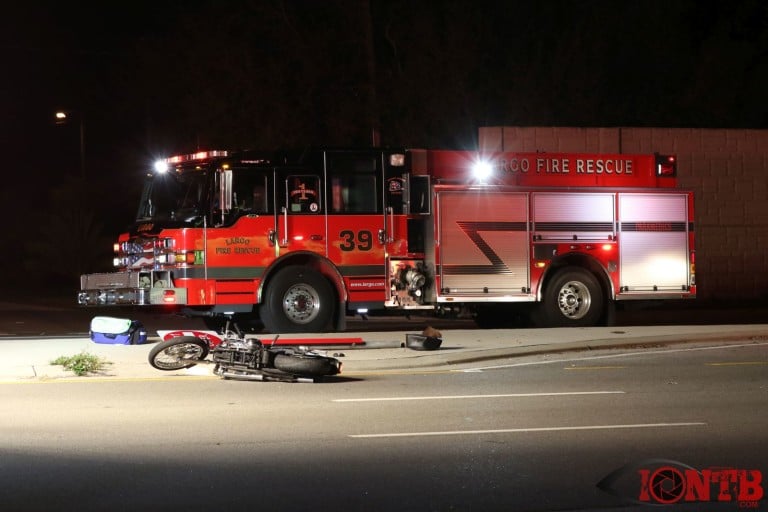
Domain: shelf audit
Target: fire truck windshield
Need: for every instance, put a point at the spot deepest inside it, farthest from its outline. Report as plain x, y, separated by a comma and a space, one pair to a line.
178, 197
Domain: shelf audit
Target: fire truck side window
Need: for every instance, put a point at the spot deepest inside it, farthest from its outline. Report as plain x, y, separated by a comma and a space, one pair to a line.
249, 192
353, 193
303, 194
352, 182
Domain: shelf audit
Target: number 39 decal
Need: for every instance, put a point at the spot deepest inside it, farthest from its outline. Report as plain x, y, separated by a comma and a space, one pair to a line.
362, 241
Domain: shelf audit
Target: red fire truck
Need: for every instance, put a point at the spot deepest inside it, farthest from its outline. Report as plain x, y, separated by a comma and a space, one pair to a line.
299, 240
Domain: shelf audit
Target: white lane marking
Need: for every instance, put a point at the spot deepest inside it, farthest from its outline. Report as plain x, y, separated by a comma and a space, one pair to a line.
739, 363
527, 430
594, 368
453, 397
607, 356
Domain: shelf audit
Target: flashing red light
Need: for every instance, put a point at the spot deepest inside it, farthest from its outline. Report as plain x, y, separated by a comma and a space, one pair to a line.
200, 155
666, 166
169, 296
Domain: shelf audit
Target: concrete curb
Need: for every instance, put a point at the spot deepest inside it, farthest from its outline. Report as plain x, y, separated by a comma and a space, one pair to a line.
449, 356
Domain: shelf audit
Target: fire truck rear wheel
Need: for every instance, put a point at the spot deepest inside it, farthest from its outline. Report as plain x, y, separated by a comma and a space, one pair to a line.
572, 299
297, 299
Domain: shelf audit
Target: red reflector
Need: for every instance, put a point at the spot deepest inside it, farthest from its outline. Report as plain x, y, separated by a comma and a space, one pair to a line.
169, 296
666, 170
666, 165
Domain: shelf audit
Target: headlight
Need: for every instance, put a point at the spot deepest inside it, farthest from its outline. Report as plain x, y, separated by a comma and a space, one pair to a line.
161, 166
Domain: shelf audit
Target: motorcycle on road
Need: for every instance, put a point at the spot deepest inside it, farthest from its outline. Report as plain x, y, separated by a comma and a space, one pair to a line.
236, 357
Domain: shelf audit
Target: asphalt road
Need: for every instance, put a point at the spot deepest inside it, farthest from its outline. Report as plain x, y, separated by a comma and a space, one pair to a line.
534, 434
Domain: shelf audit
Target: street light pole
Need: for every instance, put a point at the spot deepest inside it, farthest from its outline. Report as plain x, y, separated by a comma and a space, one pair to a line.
62, 117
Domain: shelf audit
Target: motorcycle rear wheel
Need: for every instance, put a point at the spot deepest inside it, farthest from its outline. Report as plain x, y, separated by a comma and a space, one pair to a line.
178, 353
310, 366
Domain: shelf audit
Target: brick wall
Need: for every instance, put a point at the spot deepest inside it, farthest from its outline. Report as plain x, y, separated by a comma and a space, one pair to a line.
726, 169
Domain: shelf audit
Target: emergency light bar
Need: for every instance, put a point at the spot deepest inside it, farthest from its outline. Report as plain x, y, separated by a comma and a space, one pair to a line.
163, 164
200, 155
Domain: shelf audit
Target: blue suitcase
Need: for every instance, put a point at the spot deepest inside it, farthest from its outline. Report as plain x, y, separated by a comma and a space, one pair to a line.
117, 331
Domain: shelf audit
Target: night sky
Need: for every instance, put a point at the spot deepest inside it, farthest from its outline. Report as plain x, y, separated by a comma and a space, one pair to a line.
149, 78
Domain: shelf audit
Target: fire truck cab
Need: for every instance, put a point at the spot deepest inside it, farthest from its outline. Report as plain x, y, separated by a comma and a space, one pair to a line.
296, 241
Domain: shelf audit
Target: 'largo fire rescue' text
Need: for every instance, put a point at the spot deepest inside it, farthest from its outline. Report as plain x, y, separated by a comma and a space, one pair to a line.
295, 242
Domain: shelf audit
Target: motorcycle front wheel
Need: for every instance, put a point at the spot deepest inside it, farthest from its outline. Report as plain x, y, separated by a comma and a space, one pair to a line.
178, 353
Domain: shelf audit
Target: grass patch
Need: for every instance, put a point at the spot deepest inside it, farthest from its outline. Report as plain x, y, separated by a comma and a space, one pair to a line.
81, 364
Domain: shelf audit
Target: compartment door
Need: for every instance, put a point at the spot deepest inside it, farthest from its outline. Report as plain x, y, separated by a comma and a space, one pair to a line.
653, 242
484, 243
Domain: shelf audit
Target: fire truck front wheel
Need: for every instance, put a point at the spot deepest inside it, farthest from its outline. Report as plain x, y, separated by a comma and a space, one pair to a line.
572, 299
297, 299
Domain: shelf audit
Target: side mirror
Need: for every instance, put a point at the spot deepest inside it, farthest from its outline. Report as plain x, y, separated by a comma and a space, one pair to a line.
225, 190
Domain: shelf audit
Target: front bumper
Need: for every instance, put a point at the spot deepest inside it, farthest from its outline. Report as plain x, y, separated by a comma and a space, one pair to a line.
140, 288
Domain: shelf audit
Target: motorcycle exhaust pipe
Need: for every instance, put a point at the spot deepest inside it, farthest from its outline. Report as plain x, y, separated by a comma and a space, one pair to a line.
241, 376
261, 377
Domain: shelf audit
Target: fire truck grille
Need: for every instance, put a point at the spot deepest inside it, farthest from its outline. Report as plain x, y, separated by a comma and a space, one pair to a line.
111, 280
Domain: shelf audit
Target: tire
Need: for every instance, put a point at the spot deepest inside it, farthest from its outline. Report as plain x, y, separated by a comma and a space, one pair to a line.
297, 299
178, 353
310, 366
572, 299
